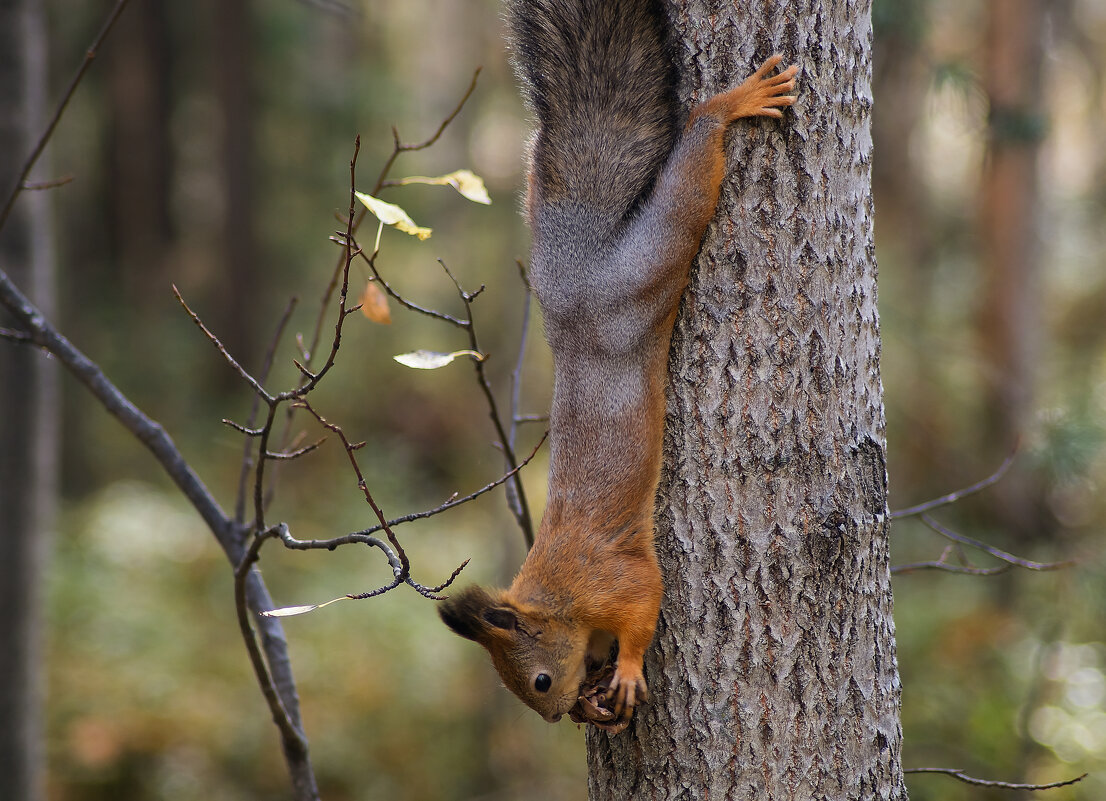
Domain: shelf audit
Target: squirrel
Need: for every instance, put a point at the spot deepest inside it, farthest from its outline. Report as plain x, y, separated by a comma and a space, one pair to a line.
618, 201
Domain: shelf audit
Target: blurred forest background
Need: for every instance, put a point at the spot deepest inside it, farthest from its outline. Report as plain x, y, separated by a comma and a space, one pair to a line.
209, 147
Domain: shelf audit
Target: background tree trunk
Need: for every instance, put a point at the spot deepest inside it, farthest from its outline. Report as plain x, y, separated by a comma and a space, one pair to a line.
28, 409
774, 665
1010, 238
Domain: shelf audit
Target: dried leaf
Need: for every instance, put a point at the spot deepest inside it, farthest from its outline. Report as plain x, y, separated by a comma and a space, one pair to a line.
432, 360
374, 304
393, 215
291, 611
468, 183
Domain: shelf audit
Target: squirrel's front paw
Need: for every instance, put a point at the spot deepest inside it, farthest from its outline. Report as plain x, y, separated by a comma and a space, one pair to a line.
626, 689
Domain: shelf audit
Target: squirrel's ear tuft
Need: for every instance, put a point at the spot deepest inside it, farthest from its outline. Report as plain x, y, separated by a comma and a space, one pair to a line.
466, 613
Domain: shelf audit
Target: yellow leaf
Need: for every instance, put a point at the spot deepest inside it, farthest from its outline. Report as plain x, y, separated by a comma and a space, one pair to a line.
468, 183
393, 215
374, 304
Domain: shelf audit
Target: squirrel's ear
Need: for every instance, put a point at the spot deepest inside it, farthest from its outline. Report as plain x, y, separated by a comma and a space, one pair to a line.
501, 618
471, 611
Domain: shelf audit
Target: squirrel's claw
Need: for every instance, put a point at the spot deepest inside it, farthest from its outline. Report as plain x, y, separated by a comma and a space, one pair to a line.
627, 687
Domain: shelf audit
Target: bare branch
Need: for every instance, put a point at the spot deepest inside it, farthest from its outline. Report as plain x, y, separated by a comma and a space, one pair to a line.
249, 379
953, 497
454, 501
959, 774
393, 560
274, 676
407, 304
293, 737
990, 549
391, 585
355, 222
287, 455
400, 147
313, 378
522, 511
247, 446
452, 577
249, 432
20, 337
946, 567
89, 57
405, 564
516, 388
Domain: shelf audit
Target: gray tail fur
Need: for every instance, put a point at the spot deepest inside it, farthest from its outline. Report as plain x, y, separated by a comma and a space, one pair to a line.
599, 76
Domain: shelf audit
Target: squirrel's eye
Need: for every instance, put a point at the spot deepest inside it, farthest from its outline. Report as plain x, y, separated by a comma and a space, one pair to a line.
542, 683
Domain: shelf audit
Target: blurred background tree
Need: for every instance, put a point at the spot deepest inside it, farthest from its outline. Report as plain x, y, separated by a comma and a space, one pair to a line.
210, 149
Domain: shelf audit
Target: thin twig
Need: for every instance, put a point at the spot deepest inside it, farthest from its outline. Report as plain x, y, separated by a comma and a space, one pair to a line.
247, 446
990, 549
452, 577
287, 455
89, 57
309, 379
21, 337
393, 560
355, 221
351, 252
959, 774
516, 389
911, 567
407, 304
249, 379
249, 432
405, 564
522, 513
454, 501
953, 497
409, 148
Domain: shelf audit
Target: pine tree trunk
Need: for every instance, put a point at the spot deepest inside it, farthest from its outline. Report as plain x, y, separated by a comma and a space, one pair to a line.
1010, 238
28, 410
773, 670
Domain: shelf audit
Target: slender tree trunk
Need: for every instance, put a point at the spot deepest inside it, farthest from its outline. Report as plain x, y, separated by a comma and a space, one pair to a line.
138, 66
234, 75
28, 411
773, 670
907, 238
1010, 236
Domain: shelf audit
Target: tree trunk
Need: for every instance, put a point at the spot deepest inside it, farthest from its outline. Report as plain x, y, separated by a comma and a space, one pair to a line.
233, 35
28, 410
1010, 235
773, 670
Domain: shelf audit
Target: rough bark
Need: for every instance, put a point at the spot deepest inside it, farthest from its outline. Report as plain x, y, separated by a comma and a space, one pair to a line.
773, 670
29, 418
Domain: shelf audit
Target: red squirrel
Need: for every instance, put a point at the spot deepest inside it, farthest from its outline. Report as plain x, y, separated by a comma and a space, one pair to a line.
618, 201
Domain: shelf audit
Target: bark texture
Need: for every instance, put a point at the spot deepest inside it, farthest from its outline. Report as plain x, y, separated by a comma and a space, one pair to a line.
773, 670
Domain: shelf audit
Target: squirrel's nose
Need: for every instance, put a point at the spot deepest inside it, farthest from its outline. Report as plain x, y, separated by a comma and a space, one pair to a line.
553, 718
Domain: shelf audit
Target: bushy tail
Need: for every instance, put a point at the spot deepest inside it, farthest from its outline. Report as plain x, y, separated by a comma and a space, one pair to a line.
600, 78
